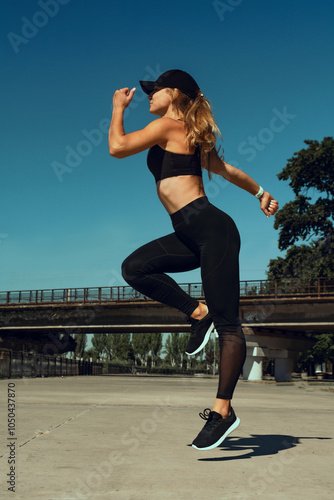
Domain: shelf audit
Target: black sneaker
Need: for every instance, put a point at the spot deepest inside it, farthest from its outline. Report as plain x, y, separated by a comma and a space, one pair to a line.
200, 334
215, 430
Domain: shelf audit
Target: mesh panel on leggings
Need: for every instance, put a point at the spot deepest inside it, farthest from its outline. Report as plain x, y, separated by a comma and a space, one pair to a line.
232, 357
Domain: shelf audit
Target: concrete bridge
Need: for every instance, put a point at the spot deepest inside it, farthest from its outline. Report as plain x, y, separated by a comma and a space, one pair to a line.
275, 316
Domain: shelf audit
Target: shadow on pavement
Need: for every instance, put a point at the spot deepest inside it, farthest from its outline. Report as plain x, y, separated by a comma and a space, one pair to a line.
259, 445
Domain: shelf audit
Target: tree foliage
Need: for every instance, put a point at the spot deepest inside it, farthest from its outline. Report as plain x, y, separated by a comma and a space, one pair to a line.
321, 352
212, 354
155, 345
81, 340
310, 171
309, 217
306, 227
141, 347
172, 349
305, 261
90, 354
99, 342
147, 345
118, 346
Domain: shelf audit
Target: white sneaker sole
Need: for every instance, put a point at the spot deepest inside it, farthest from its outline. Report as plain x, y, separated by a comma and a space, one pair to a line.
205, 341
220, 440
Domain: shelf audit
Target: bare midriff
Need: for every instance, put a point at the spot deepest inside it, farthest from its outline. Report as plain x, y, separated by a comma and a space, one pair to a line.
176, 192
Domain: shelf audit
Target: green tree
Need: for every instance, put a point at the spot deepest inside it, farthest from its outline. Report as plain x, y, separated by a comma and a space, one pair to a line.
141, 343
305, 261
155, 346
306, 228
212, 354
321, 352
309, 217
81, 340
172, 349
99, 343
90, 353
118, 346
184, 358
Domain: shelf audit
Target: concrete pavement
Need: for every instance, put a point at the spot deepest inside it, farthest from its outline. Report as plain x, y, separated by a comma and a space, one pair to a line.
128, 438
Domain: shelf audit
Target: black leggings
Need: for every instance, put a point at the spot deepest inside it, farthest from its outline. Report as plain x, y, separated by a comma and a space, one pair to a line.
208, 238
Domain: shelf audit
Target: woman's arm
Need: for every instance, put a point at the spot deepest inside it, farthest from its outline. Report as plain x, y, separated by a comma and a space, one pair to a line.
121, 144
239, 178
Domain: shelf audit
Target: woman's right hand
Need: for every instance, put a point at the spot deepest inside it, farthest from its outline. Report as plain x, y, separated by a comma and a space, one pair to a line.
123, 97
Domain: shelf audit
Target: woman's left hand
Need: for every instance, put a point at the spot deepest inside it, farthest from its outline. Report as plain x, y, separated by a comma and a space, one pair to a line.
123, 97
268, 205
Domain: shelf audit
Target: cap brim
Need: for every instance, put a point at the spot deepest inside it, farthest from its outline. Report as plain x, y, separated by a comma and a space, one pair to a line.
147, 87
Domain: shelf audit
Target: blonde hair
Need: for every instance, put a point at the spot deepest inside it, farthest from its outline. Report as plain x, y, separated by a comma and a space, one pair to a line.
201, 128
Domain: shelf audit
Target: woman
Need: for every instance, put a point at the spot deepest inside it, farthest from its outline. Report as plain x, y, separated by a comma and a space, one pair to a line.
182, 142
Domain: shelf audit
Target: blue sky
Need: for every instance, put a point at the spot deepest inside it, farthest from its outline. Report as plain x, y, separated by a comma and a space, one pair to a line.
69, 212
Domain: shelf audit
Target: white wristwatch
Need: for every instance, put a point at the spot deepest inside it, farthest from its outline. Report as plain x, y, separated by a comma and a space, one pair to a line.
260, 193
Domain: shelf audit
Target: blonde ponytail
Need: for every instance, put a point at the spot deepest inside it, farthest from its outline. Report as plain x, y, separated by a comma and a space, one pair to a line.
201, 128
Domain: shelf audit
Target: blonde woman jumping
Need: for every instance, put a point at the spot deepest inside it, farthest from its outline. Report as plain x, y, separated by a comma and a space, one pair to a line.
180, 144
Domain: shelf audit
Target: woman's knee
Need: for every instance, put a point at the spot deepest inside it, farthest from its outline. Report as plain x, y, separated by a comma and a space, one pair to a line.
129, 269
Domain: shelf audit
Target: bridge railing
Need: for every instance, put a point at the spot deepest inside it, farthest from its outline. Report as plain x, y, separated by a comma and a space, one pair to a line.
92, 294
316, 287
288, 287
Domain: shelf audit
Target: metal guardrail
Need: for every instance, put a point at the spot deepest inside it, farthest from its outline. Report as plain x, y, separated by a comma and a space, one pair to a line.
317, 287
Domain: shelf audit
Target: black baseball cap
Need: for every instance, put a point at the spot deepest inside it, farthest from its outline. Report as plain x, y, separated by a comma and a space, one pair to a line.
175, 79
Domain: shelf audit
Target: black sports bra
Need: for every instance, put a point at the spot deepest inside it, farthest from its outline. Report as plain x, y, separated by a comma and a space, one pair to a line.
164, 164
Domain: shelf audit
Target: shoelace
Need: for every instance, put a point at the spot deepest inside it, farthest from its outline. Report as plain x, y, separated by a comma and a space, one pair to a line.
211, 423
206, 414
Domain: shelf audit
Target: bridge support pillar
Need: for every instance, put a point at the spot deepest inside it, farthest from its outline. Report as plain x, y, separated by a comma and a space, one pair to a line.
252, 369
284, 361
